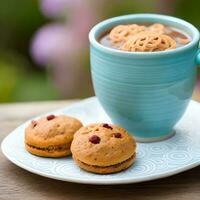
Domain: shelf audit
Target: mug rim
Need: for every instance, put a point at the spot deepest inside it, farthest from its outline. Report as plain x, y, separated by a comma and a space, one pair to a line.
167, 18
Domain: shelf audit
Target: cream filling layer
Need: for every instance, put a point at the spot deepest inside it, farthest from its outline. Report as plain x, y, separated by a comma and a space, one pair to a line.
115, 165
50, 148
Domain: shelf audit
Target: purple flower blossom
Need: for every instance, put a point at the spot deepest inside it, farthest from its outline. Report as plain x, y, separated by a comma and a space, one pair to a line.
56, 8
81, 22
52, 43
62, 46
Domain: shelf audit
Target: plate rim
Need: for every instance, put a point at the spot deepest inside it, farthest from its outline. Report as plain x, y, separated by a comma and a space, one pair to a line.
90, 181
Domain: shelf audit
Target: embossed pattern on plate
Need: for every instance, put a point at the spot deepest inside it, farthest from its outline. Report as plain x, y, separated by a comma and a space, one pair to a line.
154, 160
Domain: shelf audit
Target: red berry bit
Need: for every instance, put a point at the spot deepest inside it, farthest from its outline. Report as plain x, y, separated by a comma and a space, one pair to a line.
107, 126
34, 123
117, 135
50, 117
95, 139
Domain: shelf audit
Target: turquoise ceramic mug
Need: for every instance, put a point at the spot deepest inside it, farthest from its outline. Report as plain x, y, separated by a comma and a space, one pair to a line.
144, 92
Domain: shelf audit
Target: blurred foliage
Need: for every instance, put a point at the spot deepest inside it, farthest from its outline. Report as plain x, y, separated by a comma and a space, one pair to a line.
19, 20
21, 79
20, 83
119, 7
189, 10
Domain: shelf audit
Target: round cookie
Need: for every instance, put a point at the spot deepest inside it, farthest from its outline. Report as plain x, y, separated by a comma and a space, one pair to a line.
51, 136
103, 148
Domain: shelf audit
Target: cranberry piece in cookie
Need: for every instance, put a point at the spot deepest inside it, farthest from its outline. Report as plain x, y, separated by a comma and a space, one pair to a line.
94, 139
34, 123
117, 135
107, 126
50, 117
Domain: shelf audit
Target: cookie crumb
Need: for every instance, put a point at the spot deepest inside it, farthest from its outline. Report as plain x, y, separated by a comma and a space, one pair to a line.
184, 41
34, 123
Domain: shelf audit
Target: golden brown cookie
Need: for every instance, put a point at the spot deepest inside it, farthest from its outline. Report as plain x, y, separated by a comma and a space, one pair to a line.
119, 33
139, 38
166, 43
51, 136
157, 28
148, 42
103, 148
122, 33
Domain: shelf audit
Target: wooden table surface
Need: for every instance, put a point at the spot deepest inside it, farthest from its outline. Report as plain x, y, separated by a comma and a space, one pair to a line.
18, 184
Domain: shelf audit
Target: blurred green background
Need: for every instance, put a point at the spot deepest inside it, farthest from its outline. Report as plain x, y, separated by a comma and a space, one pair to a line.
44, 48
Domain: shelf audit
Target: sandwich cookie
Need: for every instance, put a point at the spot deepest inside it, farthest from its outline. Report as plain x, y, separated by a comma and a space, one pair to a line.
103, 148
51, 136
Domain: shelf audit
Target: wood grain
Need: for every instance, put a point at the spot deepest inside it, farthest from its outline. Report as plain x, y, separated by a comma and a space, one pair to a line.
18, 184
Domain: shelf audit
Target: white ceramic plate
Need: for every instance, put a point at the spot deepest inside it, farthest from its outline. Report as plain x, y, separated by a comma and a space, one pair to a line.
154, 160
